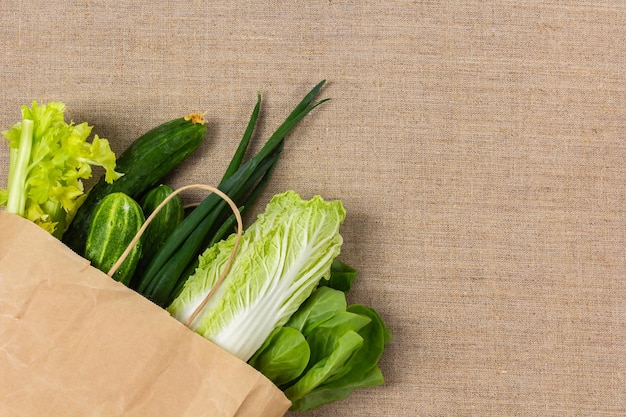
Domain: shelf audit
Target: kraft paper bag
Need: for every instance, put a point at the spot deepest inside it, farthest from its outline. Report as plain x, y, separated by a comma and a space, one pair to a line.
74, 342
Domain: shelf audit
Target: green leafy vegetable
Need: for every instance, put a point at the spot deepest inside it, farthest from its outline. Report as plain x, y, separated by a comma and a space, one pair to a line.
281, 259
358, 371
323, 303
377, 335
342, 276
345, 342
335, 351
49, 158
335, 391
283, 356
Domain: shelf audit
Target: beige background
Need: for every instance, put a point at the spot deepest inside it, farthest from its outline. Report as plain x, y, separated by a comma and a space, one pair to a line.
478, 148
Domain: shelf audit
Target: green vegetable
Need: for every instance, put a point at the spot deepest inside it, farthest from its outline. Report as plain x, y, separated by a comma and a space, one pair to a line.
163, 288
49, 158
340, 369
144, 163
342, 276
172, 265
116, 220
377, 336
323, 303
345, 344
283, 356
163, 223
335, 391
282, 257
336, 353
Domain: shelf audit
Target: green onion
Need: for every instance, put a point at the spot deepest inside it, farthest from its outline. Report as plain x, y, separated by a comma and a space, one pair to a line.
242, 183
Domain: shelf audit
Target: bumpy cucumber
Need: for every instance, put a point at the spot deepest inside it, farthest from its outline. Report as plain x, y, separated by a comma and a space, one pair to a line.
163, 223
116, 220
144, 164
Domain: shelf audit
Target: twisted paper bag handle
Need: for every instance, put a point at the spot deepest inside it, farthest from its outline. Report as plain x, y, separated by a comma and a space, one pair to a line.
143, 228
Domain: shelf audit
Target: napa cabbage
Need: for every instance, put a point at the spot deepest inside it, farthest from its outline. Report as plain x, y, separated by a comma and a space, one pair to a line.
282, 258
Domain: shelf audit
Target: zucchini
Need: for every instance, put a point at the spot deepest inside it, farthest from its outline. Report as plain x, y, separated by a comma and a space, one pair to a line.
149, 159
116, 220
163, 223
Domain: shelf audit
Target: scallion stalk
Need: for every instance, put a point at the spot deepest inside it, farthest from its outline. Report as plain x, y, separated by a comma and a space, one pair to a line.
242, 183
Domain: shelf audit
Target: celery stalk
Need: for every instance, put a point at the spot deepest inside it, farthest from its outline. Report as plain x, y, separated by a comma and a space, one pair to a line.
20, 160
49, 158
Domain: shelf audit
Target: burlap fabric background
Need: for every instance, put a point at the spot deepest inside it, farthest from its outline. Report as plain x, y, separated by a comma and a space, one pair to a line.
478, 148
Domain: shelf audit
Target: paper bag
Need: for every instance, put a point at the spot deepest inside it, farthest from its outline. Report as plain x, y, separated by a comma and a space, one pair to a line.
74, 342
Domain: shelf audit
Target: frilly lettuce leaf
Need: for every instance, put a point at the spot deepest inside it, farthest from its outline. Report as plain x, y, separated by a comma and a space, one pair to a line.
49, 158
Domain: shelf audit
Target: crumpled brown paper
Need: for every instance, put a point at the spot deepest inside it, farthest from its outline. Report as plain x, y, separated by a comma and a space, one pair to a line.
74, 342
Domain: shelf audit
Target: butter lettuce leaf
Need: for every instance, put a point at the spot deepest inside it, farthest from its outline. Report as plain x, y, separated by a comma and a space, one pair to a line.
335, 391
283, 356
336, 349
329, 379
282, 257
323, 303
342, 276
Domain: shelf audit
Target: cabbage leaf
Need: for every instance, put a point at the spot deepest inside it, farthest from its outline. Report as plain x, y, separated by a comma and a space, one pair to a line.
281, 259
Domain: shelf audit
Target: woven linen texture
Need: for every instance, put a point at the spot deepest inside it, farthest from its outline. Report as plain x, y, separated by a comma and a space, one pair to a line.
478, 148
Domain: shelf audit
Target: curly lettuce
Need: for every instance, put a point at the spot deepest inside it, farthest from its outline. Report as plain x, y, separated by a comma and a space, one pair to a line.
49, 158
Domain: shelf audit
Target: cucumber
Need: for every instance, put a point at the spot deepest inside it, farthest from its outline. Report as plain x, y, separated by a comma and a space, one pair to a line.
116, 220
145, 163
163, 223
